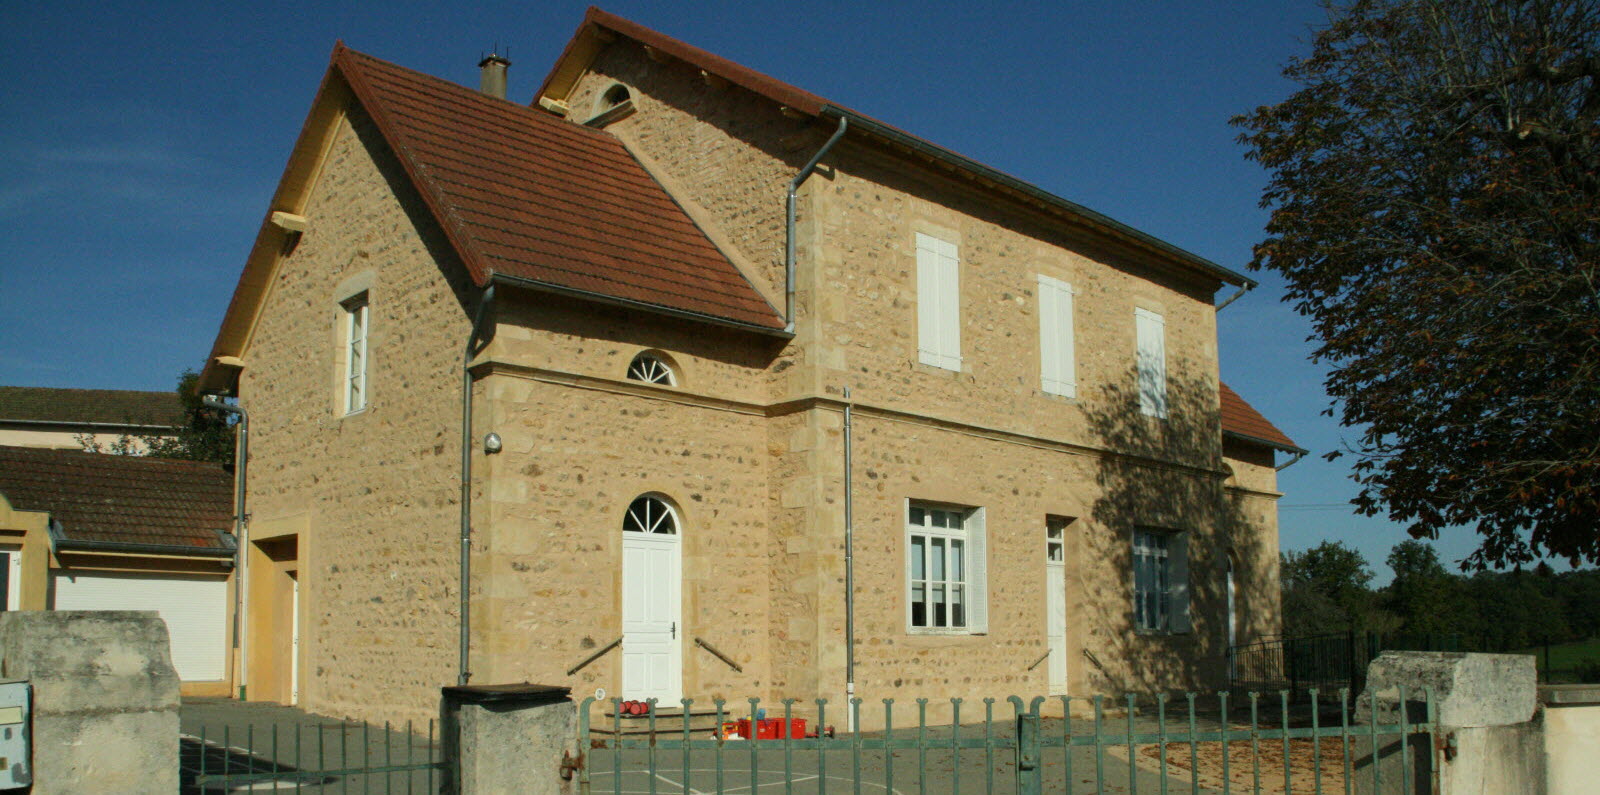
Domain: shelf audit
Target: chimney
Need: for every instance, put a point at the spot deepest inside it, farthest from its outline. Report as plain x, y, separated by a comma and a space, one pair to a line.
493, 79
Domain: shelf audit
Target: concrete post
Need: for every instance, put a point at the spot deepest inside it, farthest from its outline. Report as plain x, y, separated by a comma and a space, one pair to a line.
508, 738
1485, 705
1571, 737
105, 698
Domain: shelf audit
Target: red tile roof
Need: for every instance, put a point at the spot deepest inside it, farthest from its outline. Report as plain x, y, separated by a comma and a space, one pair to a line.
123, 499
1240, 419
525, 195
96, 406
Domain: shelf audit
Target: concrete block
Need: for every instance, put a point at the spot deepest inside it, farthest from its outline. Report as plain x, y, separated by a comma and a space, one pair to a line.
105, 698
1468, 689
509, 738
1571, 735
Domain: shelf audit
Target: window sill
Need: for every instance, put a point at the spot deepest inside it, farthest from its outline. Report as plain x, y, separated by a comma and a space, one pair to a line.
934, 632
356, 413
934, 369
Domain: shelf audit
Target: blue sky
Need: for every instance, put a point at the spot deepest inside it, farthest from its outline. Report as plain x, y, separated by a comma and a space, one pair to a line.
144, 141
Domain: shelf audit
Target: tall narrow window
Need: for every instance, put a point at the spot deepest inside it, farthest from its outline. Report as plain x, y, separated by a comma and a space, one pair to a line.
1160, 581
944, 569
1151, 331
938, 303
1057, 365
1152, 576
355, 354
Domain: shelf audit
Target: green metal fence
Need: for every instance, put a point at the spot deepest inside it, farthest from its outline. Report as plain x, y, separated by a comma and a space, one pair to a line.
1188, 743
321, 756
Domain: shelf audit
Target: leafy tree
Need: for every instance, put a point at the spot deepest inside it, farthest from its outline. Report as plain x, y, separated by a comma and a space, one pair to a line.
206, 435
1326, 589
1427, 598
1433, 187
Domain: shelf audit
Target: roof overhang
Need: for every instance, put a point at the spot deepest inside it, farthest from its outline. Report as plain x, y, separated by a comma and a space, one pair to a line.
1260, 442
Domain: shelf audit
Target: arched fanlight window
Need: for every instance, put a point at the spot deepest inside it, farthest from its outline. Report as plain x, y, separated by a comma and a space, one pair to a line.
651, 369
650, 515
614, 96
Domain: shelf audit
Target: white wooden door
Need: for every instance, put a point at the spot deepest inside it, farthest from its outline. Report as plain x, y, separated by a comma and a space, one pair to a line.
1056, 582
294, 644
652, 631
1055, 590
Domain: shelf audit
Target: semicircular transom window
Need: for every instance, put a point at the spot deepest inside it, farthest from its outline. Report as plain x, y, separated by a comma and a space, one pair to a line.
651, 370
650, 515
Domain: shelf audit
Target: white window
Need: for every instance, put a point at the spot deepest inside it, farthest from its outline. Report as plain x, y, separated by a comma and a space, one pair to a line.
1057, 366
944, 569
1160, 581
651, 369
1055, 540
938, 303
355, 354
1151, 330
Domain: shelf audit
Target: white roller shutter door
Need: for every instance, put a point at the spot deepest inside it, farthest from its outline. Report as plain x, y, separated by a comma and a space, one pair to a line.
195, 609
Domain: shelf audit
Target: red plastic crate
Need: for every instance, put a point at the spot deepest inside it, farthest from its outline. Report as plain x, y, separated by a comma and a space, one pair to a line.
772, 728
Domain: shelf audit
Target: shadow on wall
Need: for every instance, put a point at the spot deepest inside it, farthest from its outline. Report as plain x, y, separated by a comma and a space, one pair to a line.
1168, 483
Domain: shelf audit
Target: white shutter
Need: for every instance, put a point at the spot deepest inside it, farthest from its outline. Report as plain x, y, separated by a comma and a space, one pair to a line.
1178, 560
950, 308
1152, 340
978, 566
1057, 364
927, 300
938, 303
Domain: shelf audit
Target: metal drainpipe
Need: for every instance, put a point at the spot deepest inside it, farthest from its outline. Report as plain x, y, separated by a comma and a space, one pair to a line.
849, 570
1236, 296
464, 672
241, 521
789, 212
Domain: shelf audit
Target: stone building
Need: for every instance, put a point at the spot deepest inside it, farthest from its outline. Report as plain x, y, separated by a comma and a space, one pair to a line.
1048, 489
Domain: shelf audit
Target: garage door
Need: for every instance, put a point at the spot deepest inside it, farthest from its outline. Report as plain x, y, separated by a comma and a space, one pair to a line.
195, 609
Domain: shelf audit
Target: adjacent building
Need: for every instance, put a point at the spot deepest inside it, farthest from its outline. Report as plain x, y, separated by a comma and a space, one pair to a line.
769, 382
75, 419
87, 531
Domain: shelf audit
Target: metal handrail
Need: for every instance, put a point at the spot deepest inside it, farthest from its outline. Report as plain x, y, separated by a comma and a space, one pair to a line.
701, 642
597, 655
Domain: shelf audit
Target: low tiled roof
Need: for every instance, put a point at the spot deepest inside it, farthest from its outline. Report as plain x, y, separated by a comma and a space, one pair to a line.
538, 199
122, 499
99, 406
1240, 419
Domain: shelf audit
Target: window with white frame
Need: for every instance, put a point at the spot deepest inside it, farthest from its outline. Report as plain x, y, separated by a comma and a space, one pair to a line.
1160, 581
651, 369
1058, 369
938, 303
1151, 330
1055, 539
944, 569
355, 354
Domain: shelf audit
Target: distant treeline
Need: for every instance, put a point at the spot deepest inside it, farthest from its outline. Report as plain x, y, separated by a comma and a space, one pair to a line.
1327, 589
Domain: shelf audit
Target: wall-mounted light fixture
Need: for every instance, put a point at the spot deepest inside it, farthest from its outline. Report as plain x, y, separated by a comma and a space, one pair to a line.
491, 443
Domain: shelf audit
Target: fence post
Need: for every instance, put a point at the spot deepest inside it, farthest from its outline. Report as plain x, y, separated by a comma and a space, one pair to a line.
508, 738
1030, 778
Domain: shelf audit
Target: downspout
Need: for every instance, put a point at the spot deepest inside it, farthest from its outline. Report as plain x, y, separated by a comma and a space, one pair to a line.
474, 341
241, 524
849, 570
789, 213
1244, 288
1298, 454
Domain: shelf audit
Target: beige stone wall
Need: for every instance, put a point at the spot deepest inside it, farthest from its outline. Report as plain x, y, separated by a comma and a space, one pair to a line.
375, 491
986, 436
549, 553
1253, 492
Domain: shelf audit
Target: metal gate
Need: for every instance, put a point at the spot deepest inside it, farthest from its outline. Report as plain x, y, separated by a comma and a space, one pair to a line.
1188, 744
321, 756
